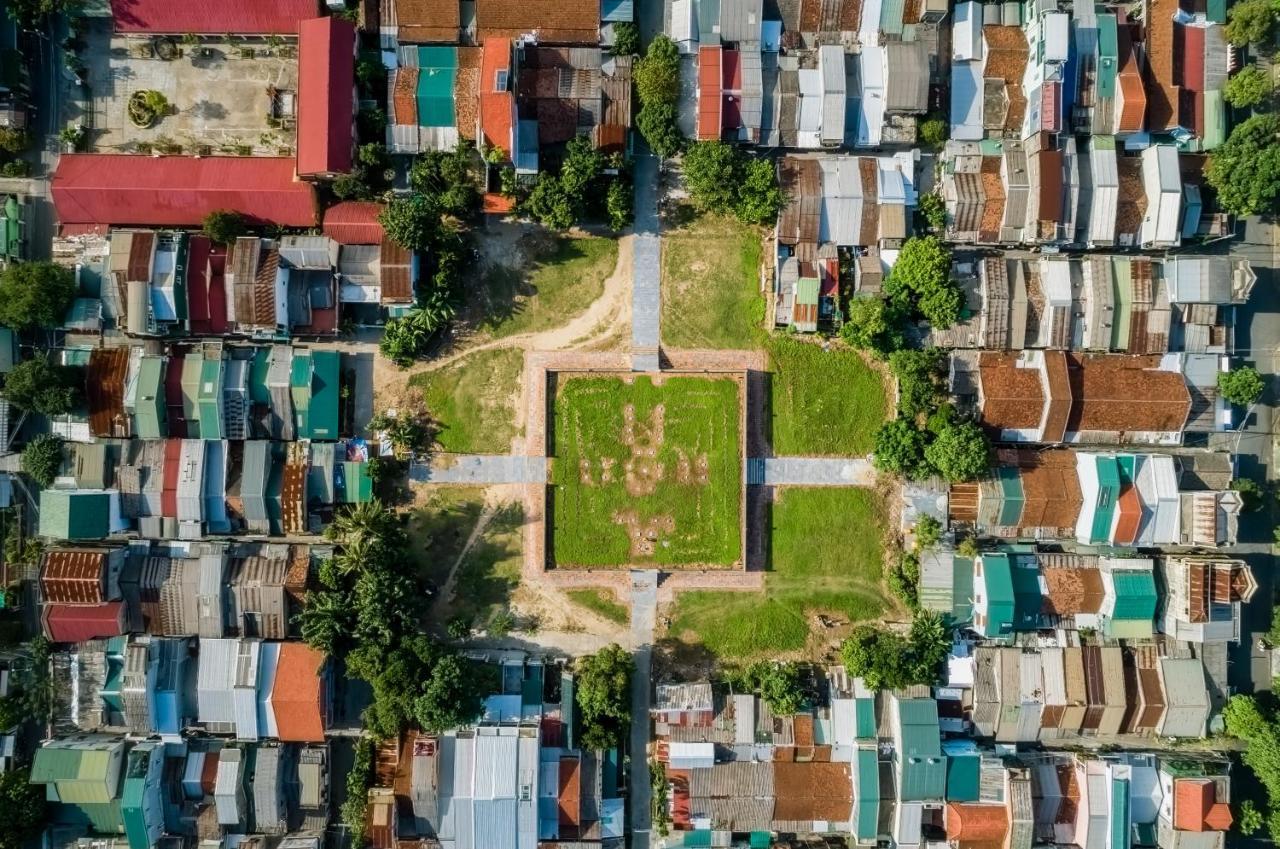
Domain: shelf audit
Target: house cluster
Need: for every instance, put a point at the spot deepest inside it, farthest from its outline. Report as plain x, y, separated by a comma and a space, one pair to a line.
520, 778
1083, 127
911, 768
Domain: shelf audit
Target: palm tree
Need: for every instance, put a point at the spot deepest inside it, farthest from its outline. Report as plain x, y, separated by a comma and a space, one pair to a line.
326, 620
371, 518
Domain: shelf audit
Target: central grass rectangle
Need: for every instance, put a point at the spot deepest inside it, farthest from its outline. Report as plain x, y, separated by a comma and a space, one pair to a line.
647, 472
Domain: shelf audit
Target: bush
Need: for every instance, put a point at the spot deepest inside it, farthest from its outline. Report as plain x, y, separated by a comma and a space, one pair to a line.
13, 141
42, 459
871, 325
920, 282
933, 131
920, 374
657, 75
42, 387
16, 168
412, 222
904, 580
1249, 818
899, 449
886, 660
1241, 386
928, 532
778, 684
725, 180
35, 295
659, 123
1249, 87
626, 39
224, 226
621, 204
1252, 495
1245, 169
452, 178
1251, 22
933, 210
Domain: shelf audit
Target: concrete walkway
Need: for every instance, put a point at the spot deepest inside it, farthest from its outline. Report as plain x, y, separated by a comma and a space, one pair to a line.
811, 471
480, 469
644, 613
646, 287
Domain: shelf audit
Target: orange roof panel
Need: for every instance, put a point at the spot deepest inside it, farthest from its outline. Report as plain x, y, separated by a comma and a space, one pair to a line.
298, 694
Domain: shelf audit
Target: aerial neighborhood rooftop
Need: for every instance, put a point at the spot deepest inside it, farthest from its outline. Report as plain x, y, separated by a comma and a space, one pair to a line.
587, 424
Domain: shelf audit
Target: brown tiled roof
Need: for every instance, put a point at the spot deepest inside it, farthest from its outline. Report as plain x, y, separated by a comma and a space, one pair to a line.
993, 207
974, 826
554, 21
73, 576
140, 249
1132, 205
1060, 396
404, 96
829, 15
264, 291
1162, 94
396, 276
1007, 53
104, 387
1072, 590
812, 791
1050, 184
1115, 392
1012, 397
1050, 487
428, 20
466, 91
1133, 112
869, 172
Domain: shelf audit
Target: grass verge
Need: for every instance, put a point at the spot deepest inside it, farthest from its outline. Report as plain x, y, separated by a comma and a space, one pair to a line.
823, 403
602, 602
711, 285
646, 473
826, 556
472, 401
564, 277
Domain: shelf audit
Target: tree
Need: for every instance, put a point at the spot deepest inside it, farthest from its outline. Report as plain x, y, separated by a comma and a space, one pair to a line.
550, 204
29, 13
933, 210
35, 294
920, 374
1251, 493
224, 226
604, 696
371, 75
352, 186
22, 808
326, 620
928, 532
657, 75
659, 123
41, 387
933, 131
451, 698
1249, 818
920, 282
1251, 22
626, 39
959, 452
353, 810
1249, 87
412, 222
42, 459
1245, 169
620, 203
778, 683
1246, 721
899, 449
759, 196
1241, 386
711, 171
580, 171
968, 547
451, 177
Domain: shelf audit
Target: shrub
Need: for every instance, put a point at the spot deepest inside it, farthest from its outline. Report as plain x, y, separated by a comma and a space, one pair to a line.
933, 131
1249, 87
35, 295
42, 459
224, 226
626, 39
1241, 386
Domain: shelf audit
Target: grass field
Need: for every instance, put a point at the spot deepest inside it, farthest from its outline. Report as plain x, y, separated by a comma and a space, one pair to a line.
660, 485
561, 282
438, 529
490, 572
473, 401
602, 602
825, 557
711, 285
823, 402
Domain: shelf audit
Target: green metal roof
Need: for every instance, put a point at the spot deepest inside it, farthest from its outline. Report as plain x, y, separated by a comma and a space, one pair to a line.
962, 589
149, 410
891, 12
437, 71
209, 399
1108, 56
357, 485
65, 514
1119, 812
1215, 120
807, 291
53, 763
1104, 509
998, 575
866, 813
1012, 497
864, 713
258, 390
964, 778
1136, 596
1027, 599
1216, 11
921, 765
81, 773
322, 417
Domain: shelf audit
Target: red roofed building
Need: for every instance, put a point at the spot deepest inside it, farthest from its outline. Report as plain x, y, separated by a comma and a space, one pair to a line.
179, 191
709, 90
354, 222
1195, 806
74, 623
212, 17
76, 576
326, 96
497, 103
972, 824
300, 694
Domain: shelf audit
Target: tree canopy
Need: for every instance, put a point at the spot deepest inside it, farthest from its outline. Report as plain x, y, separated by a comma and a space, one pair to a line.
1241, 385
1250, 86
888, 660
626, 38
1251, 22
657, 80
725, 180
224, 226
872, 325
451, 177
960, 451
920, 282
1247, 721
603, 691
42, 459
22, 808
779, 684
1245, 169
659, 123
35, 294
411, 222
42, 387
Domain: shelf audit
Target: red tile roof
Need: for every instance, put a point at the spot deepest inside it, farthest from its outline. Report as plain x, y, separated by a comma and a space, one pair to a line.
1195, 807
570, 803
1161, 52
1115, 392
1133, 111
976, 823
552, 21
326, 95
67, 623
1128, 516
298, 694
100, 188
353, 222
215, 17
497, 106
73, 576
427, 20
709, 82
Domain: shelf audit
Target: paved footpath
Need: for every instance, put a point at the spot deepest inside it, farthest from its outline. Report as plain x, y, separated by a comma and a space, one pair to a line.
480, 469
815, 471
644, 613
646, 296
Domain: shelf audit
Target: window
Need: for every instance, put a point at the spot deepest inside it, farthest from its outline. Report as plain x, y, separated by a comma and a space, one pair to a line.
500, 80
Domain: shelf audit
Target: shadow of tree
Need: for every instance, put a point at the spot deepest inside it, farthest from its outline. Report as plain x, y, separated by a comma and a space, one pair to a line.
437, 536
490, 572
507, 289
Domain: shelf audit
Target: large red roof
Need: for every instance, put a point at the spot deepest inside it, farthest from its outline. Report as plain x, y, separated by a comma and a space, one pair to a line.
99, 188
214, 17
497, 104
709, 82
298, 694
74, 623
353, 222
326, 95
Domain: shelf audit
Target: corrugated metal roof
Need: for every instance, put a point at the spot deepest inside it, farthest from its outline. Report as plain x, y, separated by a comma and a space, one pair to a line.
326, 95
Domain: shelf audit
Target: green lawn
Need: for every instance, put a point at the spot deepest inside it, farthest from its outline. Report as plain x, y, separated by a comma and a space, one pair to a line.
602, 602
473, 401
438, 529
823, 402
558, 285
491, 570
711, 285
664, 489
825, 557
